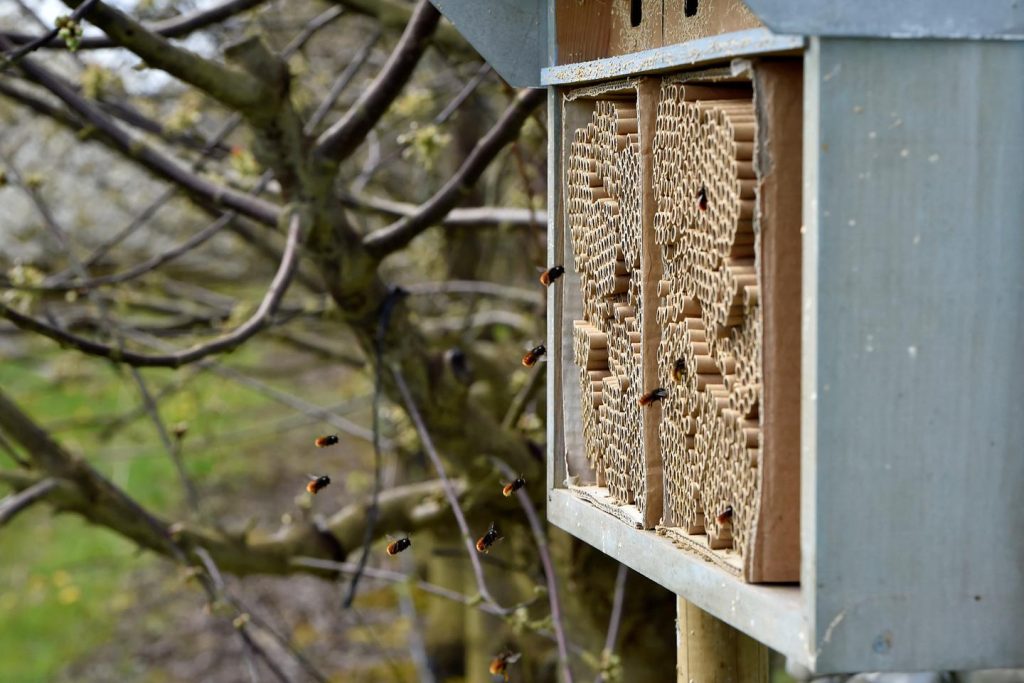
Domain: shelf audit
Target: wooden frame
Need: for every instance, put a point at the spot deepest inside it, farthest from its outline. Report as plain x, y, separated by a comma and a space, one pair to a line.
913, 258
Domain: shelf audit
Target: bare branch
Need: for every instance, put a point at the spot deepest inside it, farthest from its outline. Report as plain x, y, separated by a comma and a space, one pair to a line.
395, 14
16, 502
541, 540
268, 306
618, 597
138, 151
395, 236
234, 88
12, 57
176, 27
475, 288
341, 140
449, 491
476, 216
342, 82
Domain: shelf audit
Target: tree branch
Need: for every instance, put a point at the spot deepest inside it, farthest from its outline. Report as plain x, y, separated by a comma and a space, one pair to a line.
16, 502
175, 27
341, 140
395, 236
395, 14
268, 306
138, 151
234, 88
467, 217
42, 40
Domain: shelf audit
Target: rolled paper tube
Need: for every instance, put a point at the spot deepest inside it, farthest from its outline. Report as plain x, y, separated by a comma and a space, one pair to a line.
625, 126
705, 365
707, 380
743, 131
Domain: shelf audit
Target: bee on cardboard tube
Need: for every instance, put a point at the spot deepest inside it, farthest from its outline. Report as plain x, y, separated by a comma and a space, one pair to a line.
317, 483
399, 545
325, 441
679, 369
551, 274
533, 355
702, 198
725, 516
513, 486
650, 397
499, 665
484, 543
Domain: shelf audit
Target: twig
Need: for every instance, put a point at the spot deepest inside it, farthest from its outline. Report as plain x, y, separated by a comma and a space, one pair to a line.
242, 608
16, 502
290, 400
540, 538
464, 217
12, 57
383, 323
260, 319
144, 154
395, 236
615, 620
474, 287
522, 399
407, 607
340, 83
449, 491
175, 27
340, 140
397, 577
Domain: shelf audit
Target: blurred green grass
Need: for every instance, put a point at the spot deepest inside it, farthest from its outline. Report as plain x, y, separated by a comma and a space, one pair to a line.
63, 582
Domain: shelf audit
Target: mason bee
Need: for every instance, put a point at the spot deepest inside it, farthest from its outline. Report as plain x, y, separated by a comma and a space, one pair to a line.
702, 199
399, 545
551, 274
484, 543
513, 486
325, 441
499, 665
725, 516
679, 369
650, 397
317, 483
533, 355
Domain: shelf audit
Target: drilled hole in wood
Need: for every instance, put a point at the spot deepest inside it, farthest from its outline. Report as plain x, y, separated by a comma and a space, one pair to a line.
636, 12
690, 8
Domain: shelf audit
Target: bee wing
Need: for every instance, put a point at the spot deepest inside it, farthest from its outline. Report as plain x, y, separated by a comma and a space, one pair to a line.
513, 657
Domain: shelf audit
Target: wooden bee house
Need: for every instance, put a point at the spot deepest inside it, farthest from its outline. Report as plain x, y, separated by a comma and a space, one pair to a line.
803, 222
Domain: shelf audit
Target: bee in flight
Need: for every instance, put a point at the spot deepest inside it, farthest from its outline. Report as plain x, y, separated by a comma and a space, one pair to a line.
317, 483
533, 355
725, 516
551, 274
484, 543
650, 397
513, 486
702, 199
679, 369
325, 441
499, 665
399, 545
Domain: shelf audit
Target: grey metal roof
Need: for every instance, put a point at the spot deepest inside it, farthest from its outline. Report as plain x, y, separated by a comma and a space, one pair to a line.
513, 35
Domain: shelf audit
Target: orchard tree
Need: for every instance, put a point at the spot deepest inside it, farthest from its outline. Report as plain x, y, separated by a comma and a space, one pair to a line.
347, 180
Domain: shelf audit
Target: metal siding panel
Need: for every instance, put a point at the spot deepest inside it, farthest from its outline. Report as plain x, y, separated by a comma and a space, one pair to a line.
884, 18
916, 398
512, 35
556, 255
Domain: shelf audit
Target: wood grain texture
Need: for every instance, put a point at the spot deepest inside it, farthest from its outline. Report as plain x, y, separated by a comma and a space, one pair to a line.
708, 650
778, 97
713, 17
912, 401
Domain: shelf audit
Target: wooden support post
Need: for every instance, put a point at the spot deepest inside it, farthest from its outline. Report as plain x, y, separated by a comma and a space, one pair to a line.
711, 651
